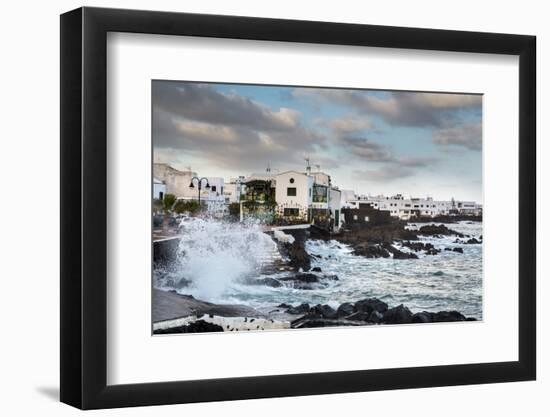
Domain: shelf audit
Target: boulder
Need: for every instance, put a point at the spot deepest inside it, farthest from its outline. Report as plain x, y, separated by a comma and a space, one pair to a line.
345, 309
324, 311
458, 250
302, 277
301, 309
299, 258
359, 316
371, 304
316, 269
376, 317
422, 317
370, 251
398, 315
444, 316
473, 241
432, 229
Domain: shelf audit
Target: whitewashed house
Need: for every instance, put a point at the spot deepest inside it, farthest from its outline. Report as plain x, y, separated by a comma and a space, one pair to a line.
293, 194
159, 189
233, 190
407, 208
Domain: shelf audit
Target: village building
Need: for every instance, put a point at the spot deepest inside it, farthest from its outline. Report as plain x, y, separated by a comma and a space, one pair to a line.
409, 208
234, 189
293, 194
159, 189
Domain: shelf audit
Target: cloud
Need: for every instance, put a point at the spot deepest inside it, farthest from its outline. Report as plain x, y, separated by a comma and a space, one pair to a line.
399, 108
467, 135
367, 149
201, 102
383, 174
228, 130
349, 124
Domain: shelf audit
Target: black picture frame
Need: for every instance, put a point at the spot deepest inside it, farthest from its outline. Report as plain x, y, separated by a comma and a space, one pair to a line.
84, 207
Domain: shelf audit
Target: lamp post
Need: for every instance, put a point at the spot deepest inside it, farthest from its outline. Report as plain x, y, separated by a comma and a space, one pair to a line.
199, 185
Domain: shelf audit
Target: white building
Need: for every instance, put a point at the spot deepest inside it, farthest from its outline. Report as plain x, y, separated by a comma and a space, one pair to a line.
233, 190
335, 206
293, 194
159, 189
347, 196
176, 181
406, 208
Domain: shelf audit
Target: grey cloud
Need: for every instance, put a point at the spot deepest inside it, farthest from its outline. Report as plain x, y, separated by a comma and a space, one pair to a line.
202, 103
383, 174
400, 108
367, 149
467, 135
228, 130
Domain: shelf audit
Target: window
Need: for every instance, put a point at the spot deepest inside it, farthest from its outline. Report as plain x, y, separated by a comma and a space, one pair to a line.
213, 188
161, 195
355, 217
291, 192
291, 212
366, 218
292, 180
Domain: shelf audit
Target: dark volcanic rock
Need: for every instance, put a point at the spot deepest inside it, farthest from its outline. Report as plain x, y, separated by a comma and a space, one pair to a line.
359, 316
296, 252
432, 229
301, 309
458, 250
423, 317
473, 241
370, 250
324, 311
420, 246
199, 326
444, 316
320, 322
345, 309
397, 254
376, 317
308, 281
316, 269
371, 304
398, 315
302, 277
284, 305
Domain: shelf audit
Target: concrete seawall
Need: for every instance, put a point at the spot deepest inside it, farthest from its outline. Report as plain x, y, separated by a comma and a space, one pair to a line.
165, 250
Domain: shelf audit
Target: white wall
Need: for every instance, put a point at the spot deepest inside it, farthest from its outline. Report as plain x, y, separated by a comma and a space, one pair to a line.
302, 183
30, 261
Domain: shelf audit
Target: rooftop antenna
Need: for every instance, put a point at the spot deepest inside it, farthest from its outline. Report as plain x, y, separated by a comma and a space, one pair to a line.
268, 169
308, 167
318, 167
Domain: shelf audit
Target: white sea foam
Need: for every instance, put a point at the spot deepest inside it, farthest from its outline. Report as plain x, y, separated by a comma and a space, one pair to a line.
215, 256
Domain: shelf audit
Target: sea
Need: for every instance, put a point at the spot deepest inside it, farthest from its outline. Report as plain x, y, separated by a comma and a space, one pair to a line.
217, 261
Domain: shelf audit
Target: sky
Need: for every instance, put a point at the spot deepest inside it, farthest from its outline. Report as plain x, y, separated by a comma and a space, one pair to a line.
373, 142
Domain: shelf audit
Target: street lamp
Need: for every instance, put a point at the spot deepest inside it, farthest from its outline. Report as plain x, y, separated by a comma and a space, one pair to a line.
199, 184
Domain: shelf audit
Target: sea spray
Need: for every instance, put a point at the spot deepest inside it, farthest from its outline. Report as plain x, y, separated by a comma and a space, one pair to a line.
215, 256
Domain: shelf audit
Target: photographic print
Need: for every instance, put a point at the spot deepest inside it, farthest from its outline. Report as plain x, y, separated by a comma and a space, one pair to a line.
295, 207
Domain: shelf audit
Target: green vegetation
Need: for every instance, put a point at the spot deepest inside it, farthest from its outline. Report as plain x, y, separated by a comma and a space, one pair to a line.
183, 206
169, 200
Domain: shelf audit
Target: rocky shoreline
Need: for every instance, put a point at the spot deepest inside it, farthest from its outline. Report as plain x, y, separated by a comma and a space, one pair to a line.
375, 242
176, 313
208, 317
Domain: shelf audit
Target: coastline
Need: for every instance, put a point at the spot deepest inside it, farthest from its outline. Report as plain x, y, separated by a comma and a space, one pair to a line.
201, 316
